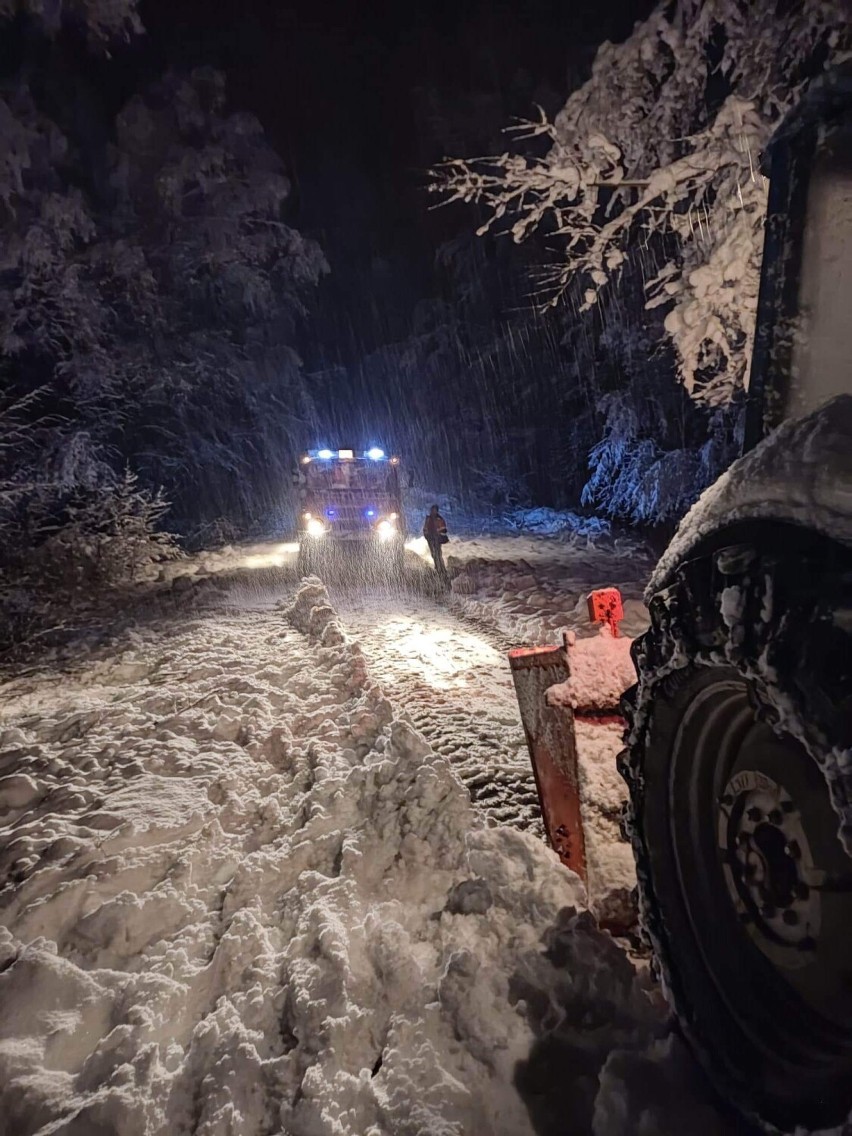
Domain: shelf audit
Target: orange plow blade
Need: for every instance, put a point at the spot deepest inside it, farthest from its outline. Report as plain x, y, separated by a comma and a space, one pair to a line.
550, 738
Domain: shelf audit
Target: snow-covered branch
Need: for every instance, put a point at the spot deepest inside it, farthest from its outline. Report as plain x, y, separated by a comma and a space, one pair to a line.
655, 157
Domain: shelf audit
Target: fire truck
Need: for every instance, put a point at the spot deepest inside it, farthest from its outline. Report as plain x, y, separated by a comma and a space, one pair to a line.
351, 509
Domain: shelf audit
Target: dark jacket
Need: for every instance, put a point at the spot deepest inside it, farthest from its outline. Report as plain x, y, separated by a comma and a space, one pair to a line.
434, 527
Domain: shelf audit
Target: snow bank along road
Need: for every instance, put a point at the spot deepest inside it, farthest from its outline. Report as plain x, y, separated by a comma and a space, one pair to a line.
241, 895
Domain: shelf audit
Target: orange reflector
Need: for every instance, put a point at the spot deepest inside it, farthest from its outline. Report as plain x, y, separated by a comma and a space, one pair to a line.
606, 606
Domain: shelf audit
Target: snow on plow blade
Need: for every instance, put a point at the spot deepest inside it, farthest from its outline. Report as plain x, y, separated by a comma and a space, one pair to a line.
550, 738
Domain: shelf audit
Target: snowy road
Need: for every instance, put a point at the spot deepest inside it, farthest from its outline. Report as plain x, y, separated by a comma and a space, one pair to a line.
441, 658
448, 674
452, 680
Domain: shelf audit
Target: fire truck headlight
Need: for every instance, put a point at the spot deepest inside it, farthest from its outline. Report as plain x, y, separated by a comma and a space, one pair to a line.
386, 529
315, 527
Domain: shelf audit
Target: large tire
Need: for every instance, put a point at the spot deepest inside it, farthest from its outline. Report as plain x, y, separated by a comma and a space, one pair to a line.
740, 778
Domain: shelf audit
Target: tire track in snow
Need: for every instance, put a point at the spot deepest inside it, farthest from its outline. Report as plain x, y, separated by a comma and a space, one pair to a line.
452, 679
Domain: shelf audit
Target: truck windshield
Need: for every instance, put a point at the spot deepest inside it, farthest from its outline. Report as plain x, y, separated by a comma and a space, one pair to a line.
352, 476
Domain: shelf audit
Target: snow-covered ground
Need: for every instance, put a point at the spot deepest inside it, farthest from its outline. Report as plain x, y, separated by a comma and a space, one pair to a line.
244, 896
268, 870
442, 658
453, 682
531, 587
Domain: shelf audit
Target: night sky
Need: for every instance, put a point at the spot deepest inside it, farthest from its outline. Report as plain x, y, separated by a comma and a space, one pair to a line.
356, 98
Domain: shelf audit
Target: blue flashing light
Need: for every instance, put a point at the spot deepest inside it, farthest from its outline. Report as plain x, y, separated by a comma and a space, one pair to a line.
375, 454
325, 454
330, 513
371, 512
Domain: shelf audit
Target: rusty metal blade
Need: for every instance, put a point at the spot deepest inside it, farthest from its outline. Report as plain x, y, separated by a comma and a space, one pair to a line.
550, 738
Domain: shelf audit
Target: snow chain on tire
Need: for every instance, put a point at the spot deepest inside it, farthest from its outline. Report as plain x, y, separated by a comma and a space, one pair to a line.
777, 615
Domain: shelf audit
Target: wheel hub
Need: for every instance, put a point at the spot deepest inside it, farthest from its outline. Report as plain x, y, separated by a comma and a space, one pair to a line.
768, 869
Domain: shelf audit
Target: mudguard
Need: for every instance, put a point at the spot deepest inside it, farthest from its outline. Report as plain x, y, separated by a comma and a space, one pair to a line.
800, 475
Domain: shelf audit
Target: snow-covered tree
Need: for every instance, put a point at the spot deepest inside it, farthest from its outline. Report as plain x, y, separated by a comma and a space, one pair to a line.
155, 291
655, 159
103, 21
212, 281
150, 288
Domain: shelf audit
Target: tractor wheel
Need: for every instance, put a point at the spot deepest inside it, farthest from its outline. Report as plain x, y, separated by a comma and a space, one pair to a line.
741, 818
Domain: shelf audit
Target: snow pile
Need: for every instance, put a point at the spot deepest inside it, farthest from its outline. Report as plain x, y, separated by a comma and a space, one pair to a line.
242, 896
610, 867
312, 614
537, 589
551, 522
600, 670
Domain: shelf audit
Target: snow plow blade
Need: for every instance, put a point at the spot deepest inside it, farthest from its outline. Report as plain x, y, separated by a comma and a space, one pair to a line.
549, 731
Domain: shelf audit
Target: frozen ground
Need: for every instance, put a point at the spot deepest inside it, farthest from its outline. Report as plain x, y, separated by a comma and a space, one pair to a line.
244, 896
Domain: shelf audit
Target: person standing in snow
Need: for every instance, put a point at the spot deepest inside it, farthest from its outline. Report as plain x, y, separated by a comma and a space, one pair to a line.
435, 531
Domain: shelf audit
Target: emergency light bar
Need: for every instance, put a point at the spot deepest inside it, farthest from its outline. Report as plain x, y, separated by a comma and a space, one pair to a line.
375, 453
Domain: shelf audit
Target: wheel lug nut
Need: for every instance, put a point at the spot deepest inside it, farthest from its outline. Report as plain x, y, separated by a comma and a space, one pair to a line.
790, 917
776, 816
792, 850
754, 814
788, 806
